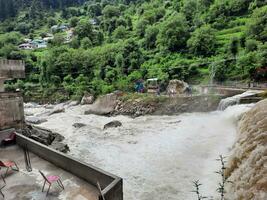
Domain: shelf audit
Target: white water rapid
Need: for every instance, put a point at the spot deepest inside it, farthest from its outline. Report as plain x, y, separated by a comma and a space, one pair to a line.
158, 157
224, 103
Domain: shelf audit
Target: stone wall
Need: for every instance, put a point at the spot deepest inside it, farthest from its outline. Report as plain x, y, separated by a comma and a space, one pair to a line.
11, 110
247, 164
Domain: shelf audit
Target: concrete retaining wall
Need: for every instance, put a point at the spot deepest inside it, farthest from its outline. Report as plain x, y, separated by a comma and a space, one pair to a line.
178, 105
112, 185
12, 68
11, 110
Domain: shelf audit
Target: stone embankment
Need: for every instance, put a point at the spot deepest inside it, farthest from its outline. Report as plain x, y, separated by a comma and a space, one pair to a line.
247, 167
138, 104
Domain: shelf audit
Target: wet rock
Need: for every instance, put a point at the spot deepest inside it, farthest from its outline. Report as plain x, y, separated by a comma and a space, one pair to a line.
78, 125
58, 109
177, 87
59, 146
87, 99
48, 106
46, 137
113, 124
35, 120
104, 105
73, 103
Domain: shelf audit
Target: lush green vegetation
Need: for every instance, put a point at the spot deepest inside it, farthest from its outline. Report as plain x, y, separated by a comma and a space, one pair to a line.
117, 42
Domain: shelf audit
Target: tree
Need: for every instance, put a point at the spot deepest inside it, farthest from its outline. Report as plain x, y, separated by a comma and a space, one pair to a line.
86, 43
150, 38
120, 32
51, 21
257, 27
84, 29
141, 27
95, 10
234, 46
174, 33
111, 11
251, 45
202, 41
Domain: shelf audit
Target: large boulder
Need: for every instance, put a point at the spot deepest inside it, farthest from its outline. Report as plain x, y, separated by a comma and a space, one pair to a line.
177, 87
46, 137
87, 99
104, 105
113, 124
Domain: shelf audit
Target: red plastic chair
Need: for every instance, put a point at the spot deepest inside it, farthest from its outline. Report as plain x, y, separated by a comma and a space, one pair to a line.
10, 139
50, 180
9, 165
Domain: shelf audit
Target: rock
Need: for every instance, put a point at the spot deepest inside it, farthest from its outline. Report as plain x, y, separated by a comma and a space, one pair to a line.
113, 124
35, 120
78, 125
64, 148
31, 105
48, 106
104, 105
87, 99
177, 87
41, 135
73, 103
58, 109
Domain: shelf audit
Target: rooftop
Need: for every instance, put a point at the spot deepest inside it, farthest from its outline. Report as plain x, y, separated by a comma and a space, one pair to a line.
28, 185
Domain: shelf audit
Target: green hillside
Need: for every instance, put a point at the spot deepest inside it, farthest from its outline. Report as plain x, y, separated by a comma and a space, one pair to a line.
99, 46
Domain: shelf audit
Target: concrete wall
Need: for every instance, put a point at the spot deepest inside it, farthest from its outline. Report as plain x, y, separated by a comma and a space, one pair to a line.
2, 87
12, 69
112, 185
11, 110
178, 105
225, 91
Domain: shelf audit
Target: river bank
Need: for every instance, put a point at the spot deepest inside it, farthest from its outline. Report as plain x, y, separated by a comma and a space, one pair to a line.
247, 164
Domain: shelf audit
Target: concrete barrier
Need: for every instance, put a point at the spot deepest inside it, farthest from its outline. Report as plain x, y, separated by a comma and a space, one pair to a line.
10, 69
11, 110
112, 186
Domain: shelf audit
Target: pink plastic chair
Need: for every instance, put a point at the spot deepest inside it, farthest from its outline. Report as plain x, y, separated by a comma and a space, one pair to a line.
9, 165
11, 138
50, 180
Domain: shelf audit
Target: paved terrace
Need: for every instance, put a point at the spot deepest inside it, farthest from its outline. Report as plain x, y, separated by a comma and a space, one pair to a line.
25, 185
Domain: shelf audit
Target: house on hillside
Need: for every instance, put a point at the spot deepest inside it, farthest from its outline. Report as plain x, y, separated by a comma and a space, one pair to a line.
26, 46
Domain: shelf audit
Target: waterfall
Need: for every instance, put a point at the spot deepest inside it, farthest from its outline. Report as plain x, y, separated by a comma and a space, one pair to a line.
224, 103
212, 74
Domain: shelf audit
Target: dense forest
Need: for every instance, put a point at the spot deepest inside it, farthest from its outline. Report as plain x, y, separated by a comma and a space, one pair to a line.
111, 44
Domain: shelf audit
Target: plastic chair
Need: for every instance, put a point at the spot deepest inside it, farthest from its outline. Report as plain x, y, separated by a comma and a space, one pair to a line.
9, 165
50, 180
10, 139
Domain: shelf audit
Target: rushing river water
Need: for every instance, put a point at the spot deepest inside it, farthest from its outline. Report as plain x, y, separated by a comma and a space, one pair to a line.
158, 157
